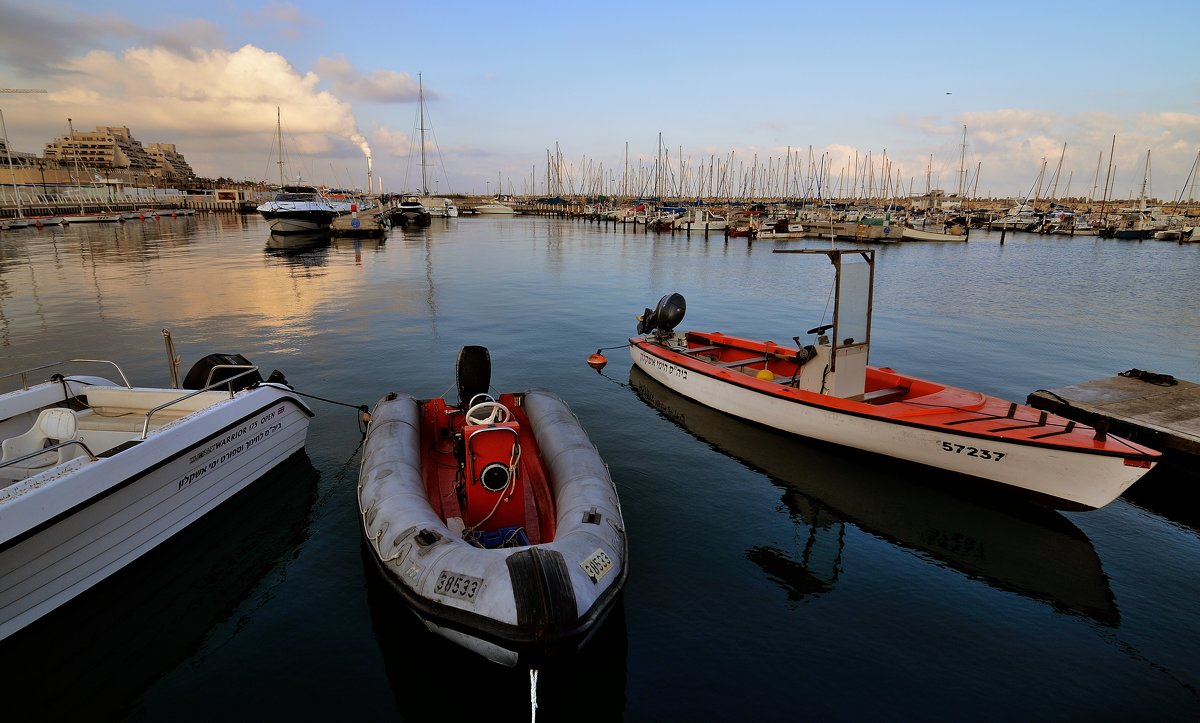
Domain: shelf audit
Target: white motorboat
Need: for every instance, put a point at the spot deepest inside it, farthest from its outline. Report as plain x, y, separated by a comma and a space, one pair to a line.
410, 212
495, 207
781, 228
494, 519
298, 209
438, 206
91, 218
698, 218
827, 391
952, 233
94, 473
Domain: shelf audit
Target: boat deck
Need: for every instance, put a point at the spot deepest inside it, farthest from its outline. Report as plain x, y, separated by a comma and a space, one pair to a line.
529, 506
1164, 417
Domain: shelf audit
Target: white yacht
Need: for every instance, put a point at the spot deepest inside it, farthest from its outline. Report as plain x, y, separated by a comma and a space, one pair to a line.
299, 209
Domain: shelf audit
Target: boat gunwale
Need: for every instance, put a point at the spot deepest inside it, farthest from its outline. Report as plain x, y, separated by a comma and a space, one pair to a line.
648, 344
100, 494
525, 642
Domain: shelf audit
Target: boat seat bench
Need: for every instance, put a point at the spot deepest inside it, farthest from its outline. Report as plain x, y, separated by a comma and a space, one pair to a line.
879, 395
743, 362
111, 401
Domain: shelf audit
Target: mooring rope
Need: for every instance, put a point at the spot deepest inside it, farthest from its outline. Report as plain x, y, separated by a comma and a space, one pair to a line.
533, 676
364, 411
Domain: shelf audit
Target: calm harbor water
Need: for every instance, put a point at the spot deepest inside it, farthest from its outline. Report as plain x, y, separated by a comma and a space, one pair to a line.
770, 577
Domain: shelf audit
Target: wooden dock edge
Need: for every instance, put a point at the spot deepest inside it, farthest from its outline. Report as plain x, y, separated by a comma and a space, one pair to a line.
1165, 418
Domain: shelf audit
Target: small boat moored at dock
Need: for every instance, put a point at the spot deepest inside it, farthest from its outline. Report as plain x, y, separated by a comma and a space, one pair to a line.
94, 474
410, 212
494, 519
827, 391
296, 209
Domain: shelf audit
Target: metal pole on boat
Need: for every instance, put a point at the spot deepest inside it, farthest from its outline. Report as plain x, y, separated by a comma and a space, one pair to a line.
172, 358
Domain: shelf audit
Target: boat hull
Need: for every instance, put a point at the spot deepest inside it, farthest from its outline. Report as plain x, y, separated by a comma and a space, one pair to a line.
917, 234
1055, 476
66, 529
514, 605
285, 222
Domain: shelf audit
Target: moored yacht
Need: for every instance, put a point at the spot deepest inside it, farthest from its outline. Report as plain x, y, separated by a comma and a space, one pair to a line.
298, 209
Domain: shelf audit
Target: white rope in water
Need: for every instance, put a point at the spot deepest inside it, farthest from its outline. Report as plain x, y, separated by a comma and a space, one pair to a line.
533, 694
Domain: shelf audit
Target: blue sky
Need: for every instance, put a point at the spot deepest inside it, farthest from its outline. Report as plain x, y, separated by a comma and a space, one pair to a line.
737, 83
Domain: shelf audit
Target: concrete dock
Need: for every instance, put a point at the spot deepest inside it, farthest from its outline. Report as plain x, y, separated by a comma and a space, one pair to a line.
369, 224
1159, 415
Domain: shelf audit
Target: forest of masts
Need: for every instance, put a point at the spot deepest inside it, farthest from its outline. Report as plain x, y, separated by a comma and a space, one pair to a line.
800, 175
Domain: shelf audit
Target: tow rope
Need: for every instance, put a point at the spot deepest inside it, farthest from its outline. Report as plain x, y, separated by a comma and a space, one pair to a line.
1162, 380
364, 417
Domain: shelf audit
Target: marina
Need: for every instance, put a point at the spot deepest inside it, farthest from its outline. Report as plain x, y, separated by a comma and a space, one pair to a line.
751, 552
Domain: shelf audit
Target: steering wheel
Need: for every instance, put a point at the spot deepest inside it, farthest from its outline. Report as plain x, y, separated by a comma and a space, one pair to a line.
820, 329
488, 413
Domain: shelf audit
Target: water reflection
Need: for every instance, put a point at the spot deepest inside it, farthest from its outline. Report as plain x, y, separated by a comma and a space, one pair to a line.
301, 249
91, 658
434, 679
1028, 550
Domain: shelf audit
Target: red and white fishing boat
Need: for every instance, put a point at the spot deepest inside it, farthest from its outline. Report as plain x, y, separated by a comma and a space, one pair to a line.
827, 391
495, 519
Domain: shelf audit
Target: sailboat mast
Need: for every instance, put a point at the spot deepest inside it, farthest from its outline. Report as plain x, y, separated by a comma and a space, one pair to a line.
278, 139
11, 172
421, 129
1145, 178
962, 169
75, 155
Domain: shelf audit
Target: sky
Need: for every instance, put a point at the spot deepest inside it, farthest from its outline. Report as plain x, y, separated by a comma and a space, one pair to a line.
610, 86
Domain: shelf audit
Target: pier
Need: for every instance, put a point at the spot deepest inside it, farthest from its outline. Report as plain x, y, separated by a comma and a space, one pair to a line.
1141, 406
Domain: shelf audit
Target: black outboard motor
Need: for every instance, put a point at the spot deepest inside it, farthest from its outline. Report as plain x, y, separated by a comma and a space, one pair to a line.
474, 374
665, 317
197, 376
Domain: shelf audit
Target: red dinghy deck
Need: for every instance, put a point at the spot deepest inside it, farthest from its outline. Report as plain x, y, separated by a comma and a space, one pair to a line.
529, 505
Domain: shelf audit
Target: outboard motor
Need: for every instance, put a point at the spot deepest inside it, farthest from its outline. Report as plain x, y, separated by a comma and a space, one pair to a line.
665, 317
197, 376
473, 372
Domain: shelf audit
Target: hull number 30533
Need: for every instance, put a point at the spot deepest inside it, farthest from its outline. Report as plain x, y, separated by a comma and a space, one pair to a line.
597, 565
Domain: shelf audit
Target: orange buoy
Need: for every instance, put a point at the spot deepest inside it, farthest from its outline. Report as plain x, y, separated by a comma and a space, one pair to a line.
597, 361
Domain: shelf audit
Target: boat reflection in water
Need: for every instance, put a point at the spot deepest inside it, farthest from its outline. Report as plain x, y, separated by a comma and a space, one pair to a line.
1028, 550
431, 676
91, 658
295, 245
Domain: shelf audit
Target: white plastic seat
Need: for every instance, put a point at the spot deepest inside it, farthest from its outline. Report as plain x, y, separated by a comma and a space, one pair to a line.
52, 426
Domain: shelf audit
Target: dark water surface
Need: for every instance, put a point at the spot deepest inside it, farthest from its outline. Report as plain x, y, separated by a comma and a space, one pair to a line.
770, 577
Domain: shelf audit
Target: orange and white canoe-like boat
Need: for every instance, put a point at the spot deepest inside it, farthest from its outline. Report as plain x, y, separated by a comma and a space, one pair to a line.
495, 519
827, 391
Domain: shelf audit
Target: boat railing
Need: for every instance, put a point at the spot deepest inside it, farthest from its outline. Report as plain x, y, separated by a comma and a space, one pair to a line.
210, 385
50, 448
24, 373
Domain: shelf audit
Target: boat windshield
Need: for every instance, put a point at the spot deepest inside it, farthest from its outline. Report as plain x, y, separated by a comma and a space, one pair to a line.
295, 197
854, 304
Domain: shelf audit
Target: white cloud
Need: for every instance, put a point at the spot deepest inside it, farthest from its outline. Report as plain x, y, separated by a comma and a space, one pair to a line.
216, 105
